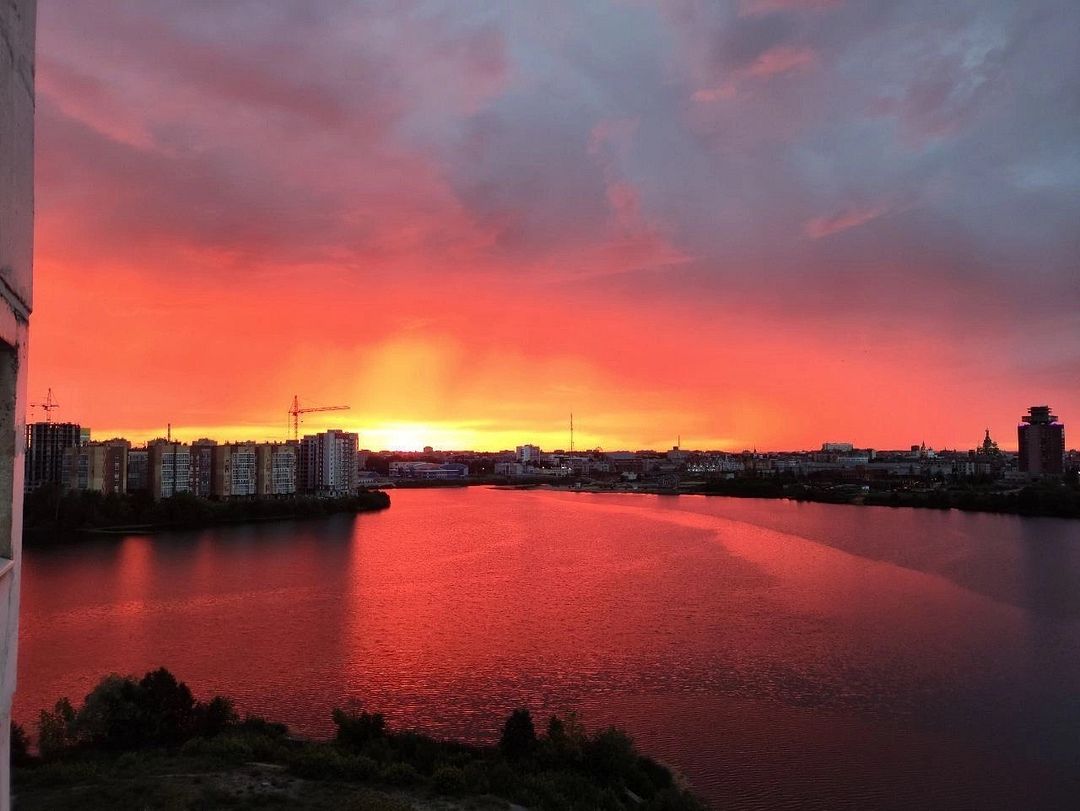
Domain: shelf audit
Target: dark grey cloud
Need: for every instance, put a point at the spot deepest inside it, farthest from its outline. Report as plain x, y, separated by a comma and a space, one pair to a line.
874, 158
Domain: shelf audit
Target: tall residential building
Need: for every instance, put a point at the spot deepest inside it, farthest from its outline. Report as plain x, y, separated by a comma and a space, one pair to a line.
17, 23
1042, 443
327, 463
45, 446
235, 470
169, 467
114, 465
138, 470
275, 473
202, 467
98, 466
243, 469
528, 454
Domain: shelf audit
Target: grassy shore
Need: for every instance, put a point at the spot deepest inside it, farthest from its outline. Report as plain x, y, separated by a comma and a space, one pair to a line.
148, 744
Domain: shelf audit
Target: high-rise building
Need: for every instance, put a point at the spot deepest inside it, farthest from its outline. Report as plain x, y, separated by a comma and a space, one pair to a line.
138, 470
202, 467
243, 469
528, 454
1042, 443
327, 463
169, 466
45, 446
235, 470
276, 469
98, 466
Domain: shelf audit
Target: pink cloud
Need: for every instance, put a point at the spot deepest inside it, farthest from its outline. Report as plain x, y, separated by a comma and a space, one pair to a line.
727, 90
782, 59
773, 62
843, 220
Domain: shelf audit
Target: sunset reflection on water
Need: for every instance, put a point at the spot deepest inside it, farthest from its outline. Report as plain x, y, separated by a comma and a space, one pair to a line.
773, 651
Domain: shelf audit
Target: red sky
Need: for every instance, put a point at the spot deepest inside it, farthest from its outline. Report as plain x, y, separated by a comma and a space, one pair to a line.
761, 224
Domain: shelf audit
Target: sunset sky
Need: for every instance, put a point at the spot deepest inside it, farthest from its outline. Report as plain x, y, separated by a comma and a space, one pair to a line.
767, 223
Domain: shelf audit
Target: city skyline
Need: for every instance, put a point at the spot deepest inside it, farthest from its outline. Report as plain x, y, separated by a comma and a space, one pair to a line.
417, 441
752, 224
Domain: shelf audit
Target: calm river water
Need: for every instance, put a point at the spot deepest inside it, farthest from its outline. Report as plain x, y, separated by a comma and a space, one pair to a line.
778, 654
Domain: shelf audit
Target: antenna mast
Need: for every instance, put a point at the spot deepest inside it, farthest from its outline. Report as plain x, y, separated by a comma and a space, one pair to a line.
571, 432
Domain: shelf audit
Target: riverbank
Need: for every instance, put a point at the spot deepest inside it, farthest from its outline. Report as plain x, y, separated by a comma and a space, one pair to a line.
1044, 499
49, 516
149, 744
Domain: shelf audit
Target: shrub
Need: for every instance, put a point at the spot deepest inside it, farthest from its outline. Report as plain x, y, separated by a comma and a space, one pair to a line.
379, 749
320, 763
132, 762
225, 748
362, 768
356, 729
400, 774
196, 747
449, 780
502, 779
255, 724
64, 773
476, 777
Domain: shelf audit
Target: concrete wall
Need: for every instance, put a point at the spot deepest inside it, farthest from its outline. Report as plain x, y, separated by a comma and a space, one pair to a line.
17, 21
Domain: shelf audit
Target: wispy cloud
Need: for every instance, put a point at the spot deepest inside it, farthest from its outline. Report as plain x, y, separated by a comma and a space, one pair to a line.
842, 220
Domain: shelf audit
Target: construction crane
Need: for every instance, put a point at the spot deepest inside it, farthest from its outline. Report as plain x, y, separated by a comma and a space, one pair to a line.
296, 411
47, 406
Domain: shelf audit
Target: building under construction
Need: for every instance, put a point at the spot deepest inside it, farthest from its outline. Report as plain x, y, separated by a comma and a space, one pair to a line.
46, 443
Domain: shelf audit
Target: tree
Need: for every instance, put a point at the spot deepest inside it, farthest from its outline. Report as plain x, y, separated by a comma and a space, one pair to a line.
518, 735
566, 739
56, 729
20, 746
167, 707
215, 717
610, 755
111, 716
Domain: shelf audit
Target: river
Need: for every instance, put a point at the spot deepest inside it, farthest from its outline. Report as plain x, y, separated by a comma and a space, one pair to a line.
780, 655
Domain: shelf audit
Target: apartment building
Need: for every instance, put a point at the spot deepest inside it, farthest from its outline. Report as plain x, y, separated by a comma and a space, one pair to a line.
169, 468
327, 463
